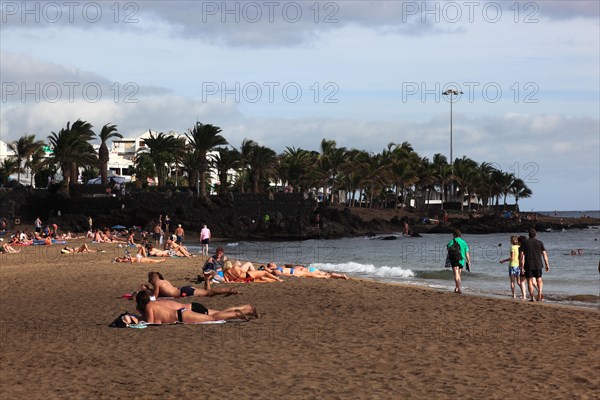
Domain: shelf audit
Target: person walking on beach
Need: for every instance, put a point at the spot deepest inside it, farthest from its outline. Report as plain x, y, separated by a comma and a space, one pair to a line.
514, 271
38, 225
532, 253
179, 233
157, 234
459, 258
205, 240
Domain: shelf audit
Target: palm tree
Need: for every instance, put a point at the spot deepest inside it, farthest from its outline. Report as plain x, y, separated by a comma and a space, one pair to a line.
226, 160
144, 168
71, 148
107, 132
7, 167
465, 171
262, 163
483, 184
23, 148
294, 165
84, 133
162, 150
36, 162
519, 190
331, 160
245, 154
203, 138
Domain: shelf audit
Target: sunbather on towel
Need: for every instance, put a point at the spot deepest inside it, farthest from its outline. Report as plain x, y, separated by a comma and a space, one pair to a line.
169, 311
159, 287
301, 271
138, 259
8, 249
153, 251
84, 248
238, 273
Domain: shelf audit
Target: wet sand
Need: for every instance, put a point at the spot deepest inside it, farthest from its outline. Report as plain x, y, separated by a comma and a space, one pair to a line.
321, 339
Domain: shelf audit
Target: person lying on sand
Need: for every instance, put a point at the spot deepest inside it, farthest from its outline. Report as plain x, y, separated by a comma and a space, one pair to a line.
8, 249
241, 273
84, 248
169, 311
159, 287
171, 245
138, 259
301, 271
153, 251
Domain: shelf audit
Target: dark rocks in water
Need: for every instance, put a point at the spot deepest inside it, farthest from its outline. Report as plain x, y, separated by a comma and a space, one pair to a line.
391, 237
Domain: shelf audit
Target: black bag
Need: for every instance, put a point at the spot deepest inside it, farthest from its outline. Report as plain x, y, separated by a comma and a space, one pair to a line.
120, 321
454, 253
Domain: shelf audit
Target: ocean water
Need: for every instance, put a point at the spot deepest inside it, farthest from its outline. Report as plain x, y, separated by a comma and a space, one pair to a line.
420, 261
572, 214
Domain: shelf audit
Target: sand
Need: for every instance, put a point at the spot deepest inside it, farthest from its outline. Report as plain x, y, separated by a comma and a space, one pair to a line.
315, 339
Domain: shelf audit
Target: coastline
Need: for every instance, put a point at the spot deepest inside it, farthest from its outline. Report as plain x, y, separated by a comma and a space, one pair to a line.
315, 338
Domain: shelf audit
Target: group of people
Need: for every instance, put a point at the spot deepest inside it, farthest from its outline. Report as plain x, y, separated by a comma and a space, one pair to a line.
219, 269
528, 256
155, 305
527, 260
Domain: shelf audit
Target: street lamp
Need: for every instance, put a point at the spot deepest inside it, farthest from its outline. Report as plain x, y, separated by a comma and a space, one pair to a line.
451, 93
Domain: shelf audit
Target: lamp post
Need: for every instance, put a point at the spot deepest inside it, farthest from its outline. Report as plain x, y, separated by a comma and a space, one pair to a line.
451, 93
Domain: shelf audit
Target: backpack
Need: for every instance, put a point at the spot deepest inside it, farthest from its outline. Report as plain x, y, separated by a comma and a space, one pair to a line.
454, 253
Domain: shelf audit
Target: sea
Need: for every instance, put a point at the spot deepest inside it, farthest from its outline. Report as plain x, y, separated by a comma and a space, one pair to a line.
419, 261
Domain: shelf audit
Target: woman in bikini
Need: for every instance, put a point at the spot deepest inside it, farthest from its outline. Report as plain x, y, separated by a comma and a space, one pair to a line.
301, 271
242, 273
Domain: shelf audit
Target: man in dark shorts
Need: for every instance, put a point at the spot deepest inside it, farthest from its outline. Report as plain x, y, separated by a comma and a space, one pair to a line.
531, 254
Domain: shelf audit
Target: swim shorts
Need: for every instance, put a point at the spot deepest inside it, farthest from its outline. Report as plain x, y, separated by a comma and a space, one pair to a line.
514, 271
186, 291
533, 273
199, 308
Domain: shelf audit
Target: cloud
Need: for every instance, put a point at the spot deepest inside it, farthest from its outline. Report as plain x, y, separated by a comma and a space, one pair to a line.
27, 79
282, 23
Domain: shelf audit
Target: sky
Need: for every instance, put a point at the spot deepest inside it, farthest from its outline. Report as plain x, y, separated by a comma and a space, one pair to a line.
291, 73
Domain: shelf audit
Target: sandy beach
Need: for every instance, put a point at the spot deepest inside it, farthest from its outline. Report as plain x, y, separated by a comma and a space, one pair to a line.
315, 339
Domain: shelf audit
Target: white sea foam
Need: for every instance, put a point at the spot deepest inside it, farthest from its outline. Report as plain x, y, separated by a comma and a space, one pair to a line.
366, 269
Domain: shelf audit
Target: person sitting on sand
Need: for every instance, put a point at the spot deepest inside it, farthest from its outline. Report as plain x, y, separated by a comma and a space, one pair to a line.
301, 271
242, 273
170, 312
138, 259
153, 251
84, 248
215, 263
163, 288
8, 249
177, 249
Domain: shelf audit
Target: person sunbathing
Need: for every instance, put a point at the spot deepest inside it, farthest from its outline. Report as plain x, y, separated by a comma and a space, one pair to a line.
137, 259
301, 271
8, 249
169, 311
163, 288
241, 273
177, 248
84, 248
